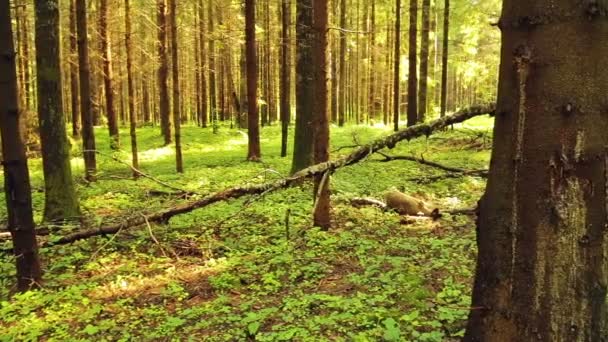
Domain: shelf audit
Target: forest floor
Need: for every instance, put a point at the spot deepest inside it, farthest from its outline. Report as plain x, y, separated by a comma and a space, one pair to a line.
236, 270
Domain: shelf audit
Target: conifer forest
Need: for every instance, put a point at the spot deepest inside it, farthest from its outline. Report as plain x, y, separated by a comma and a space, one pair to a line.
304, 170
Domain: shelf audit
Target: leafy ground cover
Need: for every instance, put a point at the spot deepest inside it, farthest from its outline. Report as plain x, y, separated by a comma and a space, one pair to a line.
255, 269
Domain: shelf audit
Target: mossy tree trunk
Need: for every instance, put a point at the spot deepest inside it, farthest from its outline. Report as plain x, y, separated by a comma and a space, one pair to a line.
303, 140
16, 176
61, 202
86, 110
542, 270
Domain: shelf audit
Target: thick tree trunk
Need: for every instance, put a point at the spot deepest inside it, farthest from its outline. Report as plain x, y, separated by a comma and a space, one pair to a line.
60, 195
397, 67
131, 89
179, 164
16, 176
253, 125
163, 70
285, 73
86, 114
74, 86
542, 269
303, 140
412, 77
322, 217
444, 58
424, 60
106, 56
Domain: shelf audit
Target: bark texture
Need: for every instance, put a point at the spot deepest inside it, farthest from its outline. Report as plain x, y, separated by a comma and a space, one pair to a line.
253, 125
542, 270
163, 70
131, 89
86, 110
60, 198
321, 216
396, 66
17, 188
412, 77
303, 140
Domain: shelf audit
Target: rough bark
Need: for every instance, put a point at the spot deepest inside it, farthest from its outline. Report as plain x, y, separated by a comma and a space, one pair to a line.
285, 73
16, 176
444, 58
131, 89
424, 60
542, 269
86, 114
303, 140
356, 156
397, 66
163, 70
179, 163
322, 217
108, 82
412, 77
60, 198
74, 86
253, 124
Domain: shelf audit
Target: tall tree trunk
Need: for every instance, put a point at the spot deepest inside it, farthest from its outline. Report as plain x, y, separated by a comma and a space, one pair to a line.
342, 80
322, 217
371, 106
131, 89
212, 67
16, 176
74, 86
542, 267
106, 56
412, 78
303, 142
86, 114
253, 124
424, 60
397, 67
179, 164
60, 197
285, 73
163, 70
444, 58
203, 58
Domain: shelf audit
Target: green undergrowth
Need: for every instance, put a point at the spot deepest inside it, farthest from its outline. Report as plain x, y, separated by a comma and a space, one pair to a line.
254, 268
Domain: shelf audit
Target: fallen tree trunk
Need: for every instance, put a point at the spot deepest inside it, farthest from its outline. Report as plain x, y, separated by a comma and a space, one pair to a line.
319, 169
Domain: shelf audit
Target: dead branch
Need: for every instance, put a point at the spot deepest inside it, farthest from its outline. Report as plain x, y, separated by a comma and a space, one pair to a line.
359, 154
388, 158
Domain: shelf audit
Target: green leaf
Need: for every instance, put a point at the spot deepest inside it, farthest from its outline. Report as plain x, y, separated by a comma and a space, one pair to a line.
253, 328
391, 330
90, 330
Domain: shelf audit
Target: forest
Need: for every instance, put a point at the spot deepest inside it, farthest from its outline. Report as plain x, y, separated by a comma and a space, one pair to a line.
304, 170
